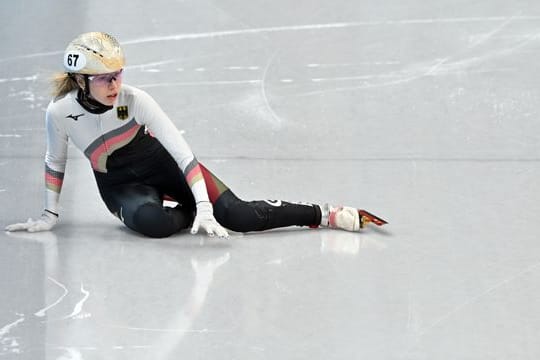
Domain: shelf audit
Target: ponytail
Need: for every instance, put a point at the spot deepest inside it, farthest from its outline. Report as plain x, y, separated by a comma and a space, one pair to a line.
63, 83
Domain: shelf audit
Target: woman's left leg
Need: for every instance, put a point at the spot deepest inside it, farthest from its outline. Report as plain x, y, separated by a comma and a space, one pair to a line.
243, 216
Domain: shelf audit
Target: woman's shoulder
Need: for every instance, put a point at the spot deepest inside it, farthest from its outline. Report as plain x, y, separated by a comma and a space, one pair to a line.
129, 90
61, 102
132, 94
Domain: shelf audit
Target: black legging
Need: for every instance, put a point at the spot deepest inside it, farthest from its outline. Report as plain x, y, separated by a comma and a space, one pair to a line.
135, 192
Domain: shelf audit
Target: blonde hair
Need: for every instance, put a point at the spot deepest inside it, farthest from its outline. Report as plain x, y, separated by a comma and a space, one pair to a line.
62, 84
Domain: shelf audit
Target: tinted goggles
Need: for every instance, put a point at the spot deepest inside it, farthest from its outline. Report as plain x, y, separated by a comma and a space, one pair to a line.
106, 79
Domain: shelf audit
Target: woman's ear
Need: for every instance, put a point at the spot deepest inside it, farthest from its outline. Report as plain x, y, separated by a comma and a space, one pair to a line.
80, 81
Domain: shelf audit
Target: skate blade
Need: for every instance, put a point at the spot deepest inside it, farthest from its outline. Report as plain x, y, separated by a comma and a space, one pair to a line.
368, 217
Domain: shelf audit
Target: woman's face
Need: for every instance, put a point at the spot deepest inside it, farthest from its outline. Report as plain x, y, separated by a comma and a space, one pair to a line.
105, 87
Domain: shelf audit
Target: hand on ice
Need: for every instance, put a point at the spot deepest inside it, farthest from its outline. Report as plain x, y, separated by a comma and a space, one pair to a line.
45, 222
205, 219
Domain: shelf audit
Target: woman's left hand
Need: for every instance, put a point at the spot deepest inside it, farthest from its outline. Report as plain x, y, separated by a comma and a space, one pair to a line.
205, 219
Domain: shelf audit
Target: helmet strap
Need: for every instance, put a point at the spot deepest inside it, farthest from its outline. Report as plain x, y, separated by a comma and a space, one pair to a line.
87, 102
86, 85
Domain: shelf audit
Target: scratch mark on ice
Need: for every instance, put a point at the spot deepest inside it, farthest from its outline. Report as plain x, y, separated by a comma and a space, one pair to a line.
337, 25
78, 307
71, 354
308, 27
278, 120
201, 331
22, 78
6, 329
41, 313
199, 83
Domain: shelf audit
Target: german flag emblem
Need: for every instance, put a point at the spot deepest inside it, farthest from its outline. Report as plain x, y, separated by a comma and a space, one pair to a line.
122, 112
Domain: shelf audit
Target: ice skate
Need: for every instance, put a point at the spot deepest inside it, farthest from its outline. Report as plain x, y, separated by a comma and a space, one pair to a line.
347, 218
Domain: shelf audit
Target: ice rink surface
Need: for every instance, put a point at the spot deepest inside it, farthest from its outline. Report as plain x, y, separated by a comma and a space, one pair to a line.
425, 112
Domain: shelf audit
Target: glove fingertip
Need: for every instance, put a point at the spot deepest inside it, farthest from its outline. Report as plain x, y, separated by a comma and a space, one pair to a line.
224, 233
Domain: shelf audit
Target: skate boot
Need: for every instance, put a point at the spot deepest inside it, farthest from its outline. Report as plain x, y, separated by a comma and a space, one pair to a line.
347, 218
341, 217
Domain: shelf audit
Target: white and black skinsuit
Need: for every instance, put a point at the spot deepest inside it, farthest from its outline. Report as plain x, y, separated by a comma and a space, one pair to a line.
139, 157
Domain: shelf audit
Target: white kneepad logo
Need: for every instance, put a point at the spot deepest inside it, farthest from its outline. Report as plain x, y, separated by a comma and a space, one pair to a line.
276, 203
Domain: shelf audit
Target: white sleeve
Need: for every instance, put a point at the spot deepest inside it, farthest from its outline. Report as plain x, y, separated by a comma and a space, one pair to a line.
160, 126
55, 161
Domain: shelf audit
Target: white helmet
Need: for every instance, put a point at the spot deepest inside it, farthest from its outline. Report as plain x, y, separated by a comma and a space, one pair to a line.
93, 53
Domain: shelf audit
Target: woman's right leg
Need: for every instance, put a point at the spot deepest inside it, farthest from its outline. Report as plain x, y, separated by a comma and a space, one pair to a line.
140, 208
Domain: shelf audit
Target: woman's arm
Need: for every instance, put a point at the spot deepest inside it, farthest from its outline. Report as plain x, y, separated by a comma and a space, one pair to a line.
55, 164
150, 114
55, 161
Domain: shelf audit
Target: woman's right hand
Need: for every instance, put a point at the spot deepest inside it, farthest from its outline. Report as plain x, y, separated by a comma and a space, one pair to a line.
45, 222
